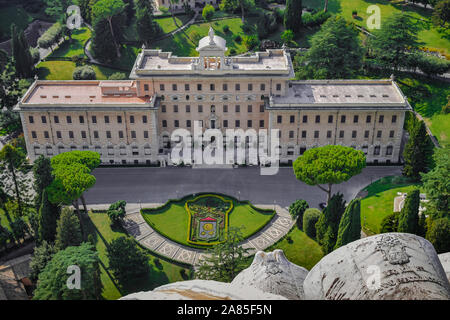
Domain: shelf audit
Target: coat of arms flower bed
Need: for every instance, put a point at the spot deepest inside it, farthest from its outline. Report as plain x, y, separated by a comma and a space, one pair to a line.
201, 220
208, 219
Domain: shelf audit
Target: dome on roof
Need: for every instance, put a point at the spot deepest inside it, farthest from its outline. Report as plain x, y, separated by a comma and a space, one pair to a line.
212, 42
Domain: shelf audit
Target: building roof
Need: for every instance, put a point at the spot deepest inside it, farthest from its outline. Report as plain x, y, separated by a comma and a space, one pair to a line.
213, 62
342, 93
83, 93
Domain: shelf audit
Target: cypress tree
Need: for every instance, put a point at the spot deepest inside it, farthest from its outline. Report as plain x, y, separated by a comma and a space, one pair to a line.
68, 232
409, 215
42, 171
293, 15
15, 49
48, 216
350, 225
418, 151
328, 224
27, 59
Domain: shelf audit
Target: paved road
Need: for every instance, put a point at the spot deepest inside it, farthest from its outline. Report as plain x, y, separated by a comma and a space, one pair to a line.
160, 184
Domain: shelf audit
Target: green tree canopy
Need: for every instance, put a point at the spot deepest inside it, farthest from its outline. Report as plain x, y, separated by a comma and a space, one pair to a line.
439, 234
126, 260
408, 221
328, 224
225, 260
437, 184
107, 10
52, 283
48, 217
293, 15
297, 209
335, 52
331, 164
392, 43
310, 218
68, 231
418, 150
350, 224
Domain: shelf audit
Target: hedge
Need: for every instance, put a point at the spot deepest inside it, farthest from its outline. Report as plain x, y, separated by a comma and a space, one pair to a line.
310, 218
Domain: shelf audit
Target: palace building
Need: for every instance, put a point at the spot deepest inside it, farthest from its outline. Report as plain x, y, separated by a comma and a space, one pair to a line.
130, 122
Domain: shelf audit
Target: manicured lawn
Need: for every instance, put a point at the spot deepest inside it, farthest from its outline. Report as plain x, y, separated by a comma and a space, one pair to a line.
440, 127
182, 45
63, 70
301, 249
380, 202
172, 220
429, 35
98, 224
167, 25
427, 96
76, 47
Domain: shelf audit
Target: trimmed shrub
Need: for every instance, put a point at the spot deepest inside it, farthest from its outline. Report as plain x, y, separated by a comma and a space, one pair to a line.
310, 218
35, 55
118, 76
208, 12
116, 211
84, 73
390, 223
238, 39
297, 209
51, 36
226, 28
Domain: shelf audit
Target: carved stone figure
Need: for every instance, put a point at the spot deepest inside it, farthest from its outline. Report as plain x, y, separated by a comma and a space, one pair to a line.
387, 266
272, 272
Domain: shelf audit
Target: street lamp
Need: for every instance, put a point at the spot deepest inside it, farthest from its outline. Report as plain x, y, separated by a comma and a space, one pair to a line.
239, 195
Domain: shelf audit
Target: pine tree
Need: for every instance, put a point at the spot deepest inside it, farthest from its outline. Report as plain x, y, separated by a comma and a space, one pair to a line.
225, 260
418, 151
48, 217
328, 225
293, 15
68, 231
335, 53
350, 225
147, 28
409, 215
103, 46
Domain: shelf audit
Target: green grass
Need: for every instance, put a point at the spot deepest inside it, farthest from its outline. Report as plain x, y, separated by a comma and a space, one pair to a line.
380, 202
167, 25
76, 47
63, 70
172, 220
427, 97
439, 125
98, 224
3, 220
429, 35
182, 45
301, 249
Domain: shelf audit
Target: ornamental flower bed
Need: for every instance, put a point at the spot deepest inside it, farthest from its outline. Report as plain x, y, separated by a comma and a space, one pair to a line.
208, 219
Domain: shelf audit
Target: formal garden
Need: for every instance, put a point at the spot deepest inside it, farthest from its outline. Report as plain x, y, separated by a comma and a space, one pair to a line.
201, 221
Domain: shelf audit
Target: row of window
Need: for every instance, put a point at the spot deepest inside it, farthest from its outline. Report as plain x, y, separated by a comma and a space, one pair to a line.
81, 119
237, 108
83, 135
330, 119
212, 87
